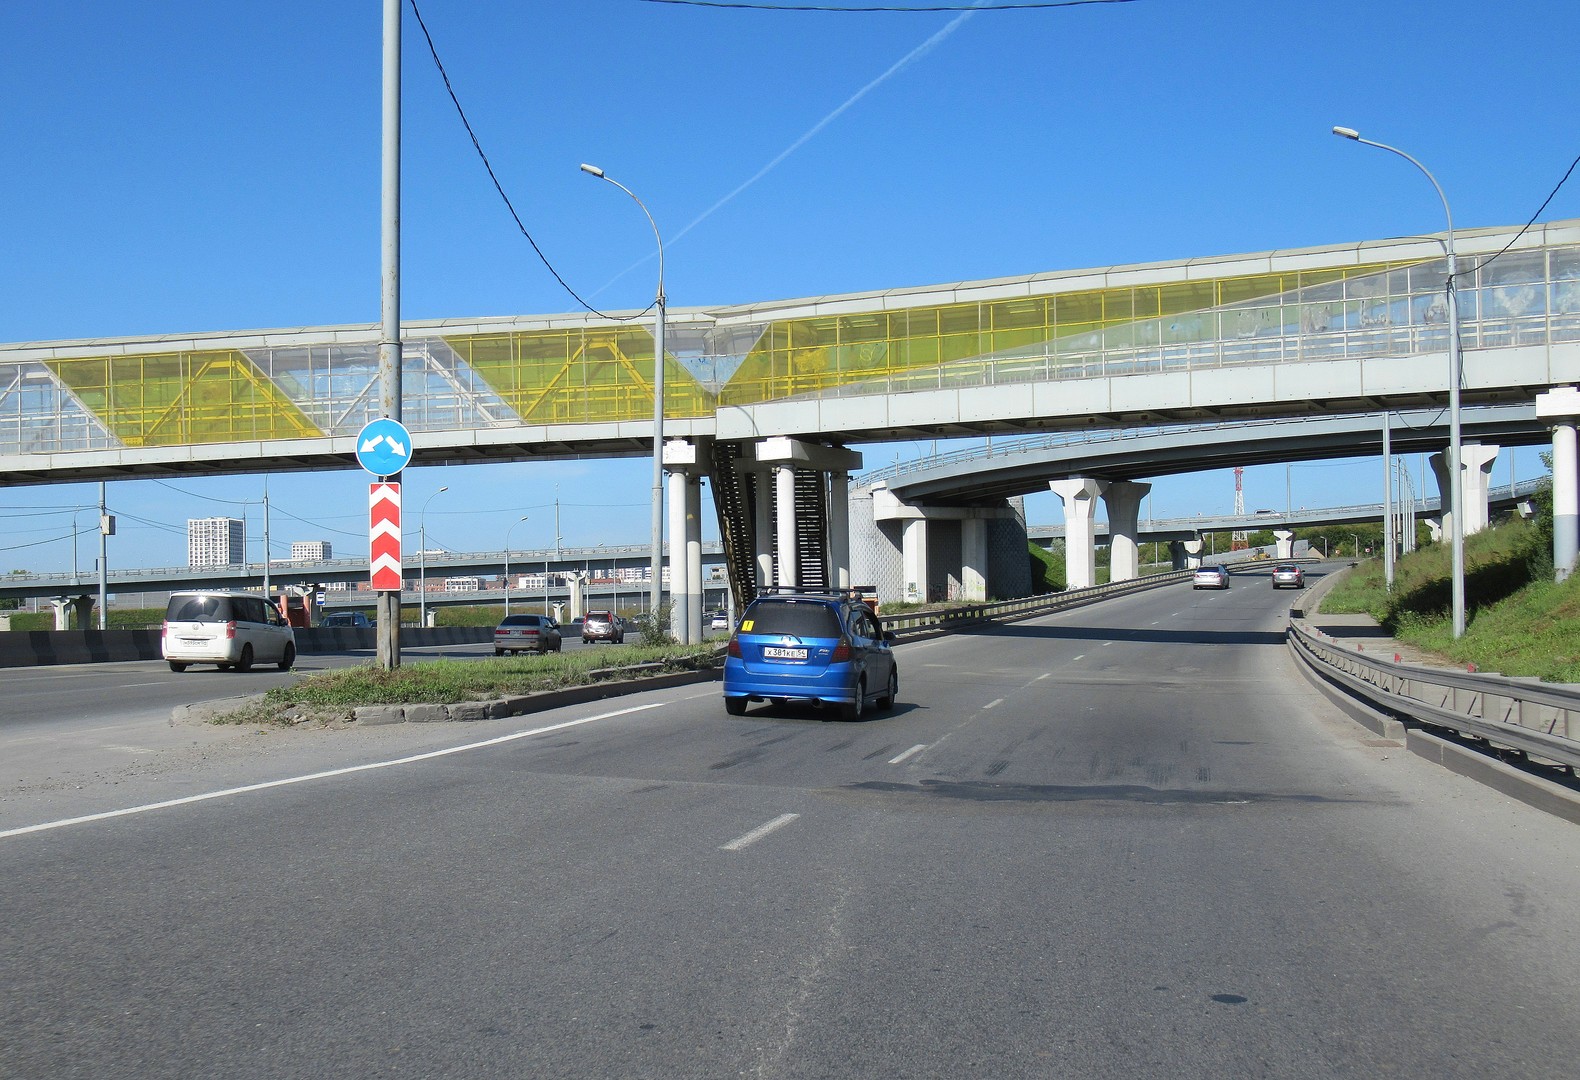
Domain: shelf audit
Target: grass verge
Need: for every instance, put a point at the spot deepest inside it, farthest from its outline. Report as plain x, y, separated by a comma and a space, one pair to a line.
1517, 620
332, 695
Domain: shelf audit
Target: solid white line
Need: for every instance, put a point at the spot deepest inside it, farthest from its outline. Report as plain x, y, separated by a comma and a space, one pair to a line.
991, 704
130, 810
758, 833
917, 749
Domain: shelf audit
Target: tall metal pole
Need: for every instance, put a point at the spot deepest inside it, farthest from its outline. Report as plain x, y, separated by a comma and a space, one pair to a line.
1456, 480
266, 539
105, 525
508, 531
389, 305
659, 353
1388, 534
422, 559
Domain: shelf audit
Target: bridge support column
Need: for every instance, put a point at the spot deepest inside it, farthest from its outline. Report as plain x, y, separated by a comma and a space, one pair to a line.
1562, 407
787, 571
1079, 495
1284, 543
1192, 554
1123, 500
913, 559
1435, 528
973, 560
839, 529
684, 463
763, 525
1475, 466
61, 606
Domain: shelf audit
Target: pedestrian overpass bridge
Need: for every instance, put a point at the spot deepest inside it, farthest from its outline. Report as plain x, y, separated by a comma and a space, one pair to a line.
765, 400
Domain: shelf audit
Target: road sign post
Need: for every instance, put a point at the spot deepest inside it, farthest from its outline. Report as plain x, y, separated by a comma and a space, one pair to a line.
384, 448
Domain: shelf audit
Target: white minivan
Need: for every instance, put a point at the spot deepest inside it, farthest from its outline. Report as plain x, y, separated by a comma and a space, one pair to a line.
228, 629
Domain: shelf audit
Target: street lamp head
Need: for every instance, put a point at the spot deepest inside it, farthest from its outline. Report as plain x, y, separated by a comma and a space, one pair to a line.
445, 488
592, 170
1346, 133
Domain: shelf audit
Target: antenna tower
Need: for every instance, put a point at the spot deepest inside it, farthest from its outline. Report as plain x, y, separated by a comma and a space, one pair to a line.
1238, 541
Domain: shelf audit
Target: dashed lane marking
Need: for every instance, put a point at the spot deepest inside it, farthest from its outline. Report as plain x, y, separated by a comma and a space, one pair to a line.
912, 752
758, 833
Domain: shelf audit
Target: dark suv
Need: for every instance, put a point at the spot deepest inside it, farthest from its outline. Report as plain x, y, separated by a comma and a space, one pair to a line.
602, 626
802, 645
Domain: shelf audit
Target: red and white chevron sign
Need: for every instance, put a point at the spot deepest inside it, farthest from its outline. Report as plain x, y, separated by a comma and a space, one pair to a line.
384, 536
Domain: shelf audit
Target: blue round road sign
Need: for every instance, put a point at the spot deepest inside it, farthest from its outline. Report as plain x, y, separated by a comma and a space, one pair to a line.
384, 447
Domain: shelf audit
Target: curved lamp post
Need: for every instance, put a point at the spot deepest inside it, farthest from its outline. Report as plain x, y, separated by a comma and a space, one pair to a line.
422, 558
1456, 481
658, 395
508, 531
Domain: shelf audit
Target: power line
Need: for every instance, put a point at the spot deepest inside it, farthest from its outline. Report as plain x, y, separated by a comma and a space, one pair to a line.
478, 146
1030, 5
1550, 196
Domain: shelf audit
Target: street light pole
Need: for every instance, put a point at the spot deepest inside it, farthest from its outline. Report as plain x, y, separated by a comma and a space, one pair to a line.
508, 531
658, 397
1456, 481
422, 558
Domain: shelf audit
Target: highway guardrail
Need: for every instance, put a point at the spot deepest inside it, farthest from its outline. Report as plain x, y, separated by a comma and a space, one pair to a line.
1541, 720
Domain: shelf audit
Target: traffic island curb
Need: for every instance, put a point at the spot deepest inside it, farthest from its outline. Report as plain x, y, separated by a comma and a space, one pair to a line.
524, 704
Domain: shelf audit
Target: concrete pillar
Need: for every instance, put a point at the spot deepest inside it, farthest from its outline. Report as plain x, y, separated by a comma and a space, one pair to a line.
84, 609
678, 586
1123, 500
1562, 407
839, 529
1475, 466
784, 527
1435, 528
1079, 495
1478, 460
693, 559
1284, 543
61, 606
973, 560
1445, 499
1192, 549
763, 526
913, 559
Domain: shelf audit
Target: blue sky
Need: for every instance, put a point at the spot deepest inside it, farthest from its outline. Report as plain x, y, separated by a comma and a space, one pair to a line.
186, 166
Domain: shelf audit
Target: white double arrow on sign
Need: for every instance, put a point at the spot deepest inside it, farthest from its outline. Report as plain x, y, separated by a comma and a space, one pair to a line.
374, 443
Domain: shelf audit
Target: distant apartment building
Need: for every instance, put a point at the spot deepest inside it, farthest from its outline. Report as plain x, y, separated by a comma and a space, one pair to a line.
310, 551
216, 542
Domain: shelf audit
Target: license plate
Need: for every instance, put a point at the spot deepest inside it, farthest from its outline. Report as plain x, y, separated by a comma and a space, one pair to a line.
774, 652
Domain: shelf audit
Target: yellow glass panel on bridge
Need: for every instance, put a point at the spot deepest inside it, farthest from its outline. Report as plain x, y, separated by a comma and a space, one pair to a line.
174, 399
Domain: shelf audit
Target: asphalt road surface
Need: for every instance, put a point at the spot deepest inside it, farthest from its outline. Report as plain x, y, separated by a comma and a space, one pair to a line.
1125, 841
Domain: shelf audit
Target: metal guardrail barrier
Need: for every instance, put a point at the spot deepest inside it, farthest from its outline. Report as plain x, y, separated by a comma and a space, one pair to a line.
1541, 720
955, 618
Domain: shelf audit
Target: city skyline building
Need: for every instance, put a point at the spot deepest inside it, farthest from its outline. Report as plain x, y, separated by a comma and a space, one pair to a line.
216, 541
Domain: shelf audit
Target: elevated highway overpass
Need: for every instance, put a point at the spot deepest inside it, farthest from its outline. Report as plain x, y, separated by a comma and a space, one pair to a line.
765, 400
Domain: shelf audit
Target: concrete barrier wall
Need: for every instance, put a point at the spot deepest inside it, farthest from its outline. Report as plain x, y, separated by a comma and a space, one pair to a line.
37, 648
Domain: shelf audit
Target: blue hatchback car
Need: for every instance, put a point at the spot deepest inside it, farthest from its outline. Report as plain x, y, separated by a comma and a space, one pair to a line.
800, 645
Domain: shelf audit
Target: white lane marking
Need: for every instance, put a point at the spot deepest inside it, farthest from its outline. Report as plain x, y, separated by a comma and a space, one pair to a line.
1044, 675
993, 703
129, 749
912, 752
1073, 659
1107, 643
758, 833
431, 754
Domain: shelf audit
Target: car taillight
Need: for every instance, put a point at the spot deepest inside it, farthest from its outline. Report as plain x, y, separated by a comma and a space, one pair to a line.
230, 629
734, 647
841, 652
164, 628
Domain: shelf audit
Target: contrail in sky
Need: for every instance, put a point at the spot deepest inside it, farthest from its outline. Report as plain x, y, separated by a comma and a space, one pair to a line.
900, 65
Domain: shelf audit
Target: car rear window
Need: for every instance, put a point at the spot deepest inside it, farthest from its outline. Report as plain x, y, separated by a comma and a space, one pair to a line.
799, 619
199, 609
